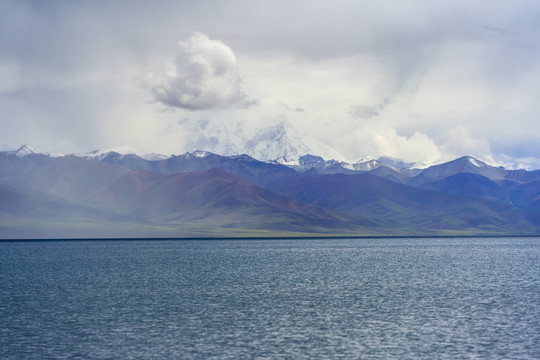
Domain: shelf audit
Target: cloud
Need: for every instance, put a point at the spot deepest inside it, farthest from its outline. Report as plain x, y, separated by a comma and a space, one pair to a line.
363, 112
527, 163
461, 142
285, 106
367, 112
203, 76
67, 70
377, 140
499, 31
418, 147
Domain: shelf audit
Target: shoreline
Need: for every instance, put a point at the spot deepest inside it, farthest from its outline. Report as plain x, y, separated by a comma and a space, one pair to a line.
330, 237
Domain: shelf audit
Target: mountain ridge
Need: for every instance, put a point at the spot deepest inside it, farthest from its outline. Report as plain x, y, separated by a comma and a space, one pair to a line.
201, 193
359, 165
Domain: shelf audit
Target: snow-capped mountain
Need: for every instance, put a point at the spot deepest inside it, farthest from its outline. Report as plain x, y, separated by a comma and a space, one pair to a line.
281, 142
465, 164
398, 163
385, 167
393, 163
277, 144
318, 164
278, 141
122, 151
26, 150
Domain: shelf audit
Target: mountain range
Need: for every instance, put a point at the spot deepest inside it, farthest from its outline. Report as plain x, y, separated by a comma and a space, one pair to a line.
203, 194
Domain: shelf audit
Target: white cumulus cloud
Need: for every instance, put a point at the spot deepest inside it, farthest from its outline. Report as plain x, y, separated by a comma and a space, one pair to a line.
202, 76
383, 140
461, 142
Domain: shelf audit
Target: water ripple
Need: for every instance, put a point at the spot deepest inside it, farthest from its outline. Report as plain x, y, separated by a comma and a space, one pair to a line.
339, 299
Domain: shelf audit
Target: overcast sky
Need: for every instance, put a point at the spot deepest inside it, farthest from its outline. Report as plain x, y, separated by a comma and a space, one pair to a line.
418, 80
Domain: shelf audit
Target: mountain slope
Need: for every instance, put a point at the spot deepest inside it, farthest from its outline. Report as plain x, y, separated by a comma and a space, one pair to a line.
406, 207
211, 199
465, 164
211, 196
243, 166
44, 206
29, 214
472, 185
527, 196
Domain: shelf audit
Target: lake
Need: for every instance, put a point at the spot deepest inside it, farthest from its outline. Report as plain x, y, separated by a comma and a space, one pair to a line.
241, 299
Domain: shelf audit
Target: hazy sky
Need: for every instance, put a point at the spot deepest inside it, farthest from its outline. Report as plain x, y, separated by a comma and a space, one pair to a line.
418, 80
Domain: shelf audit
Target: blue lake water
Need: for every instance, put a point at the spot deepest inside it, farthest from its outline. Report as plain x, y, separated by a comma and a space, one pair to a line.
242, 299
